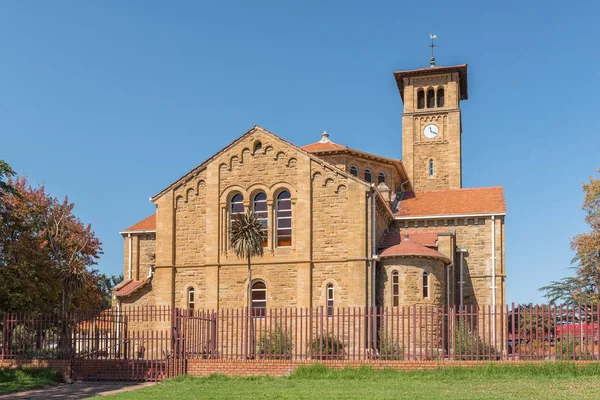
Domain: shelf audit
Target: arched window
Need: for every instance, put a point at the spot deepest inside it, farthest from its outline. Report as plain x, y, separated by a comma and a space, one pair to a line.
330, 300
425, 285
395, 289
421, 99
284, 219
191, 298
381, 178
354, 170
368, 175
257, 146
440, 97
431, 168
259, 299
430, 98
236, 205
259, 206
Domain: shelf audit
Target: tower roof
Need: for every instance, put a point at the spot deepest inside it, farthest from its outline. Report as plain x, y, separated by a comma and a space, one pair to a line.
461, 69
407, 248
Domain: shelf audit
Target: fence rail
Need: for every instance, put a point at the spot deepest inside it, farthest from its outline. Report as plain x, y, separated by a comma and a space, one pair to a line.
154, 342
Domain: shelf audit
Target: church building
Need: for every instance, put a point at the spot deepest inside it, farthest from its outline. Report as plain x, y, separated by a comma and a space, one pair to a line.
346, 228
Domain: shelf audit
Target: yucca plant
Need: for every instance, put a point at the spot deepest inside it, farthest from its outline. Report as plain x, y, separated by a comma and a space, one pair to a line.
246, 238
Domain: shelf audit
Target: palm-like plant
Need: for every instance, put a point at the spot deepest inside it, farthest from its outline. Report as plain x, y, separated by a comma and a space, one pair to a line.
246, 238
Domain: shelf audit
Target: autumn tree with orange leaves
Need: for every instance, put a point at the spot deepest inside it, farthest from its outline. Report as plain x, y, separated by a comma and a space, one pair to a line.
46, 253
584, 287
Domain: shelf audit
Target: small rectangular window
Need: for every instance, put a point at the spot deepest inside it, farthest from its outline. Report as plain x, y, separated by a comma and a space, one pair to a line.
425, 285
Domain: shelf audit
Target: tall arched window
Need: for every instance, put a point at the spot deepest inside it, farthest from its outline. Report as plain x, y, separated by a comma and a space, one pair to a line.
259, 299
395, 289
430, 98
368, 175
236, 205
431, 168
381, 178
354, 170
284, 219
191, 298
330, 300
421, 99
259, 206
440, 97
425, 285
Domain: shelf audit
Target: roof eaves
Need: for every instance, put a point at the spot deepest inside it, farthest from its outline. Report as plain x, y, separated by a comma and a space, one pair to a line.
125, 232
486, 214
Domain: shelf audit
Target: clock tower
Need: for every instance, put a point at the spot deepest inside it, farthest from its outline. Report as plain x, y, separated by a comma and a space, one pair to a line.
431, 125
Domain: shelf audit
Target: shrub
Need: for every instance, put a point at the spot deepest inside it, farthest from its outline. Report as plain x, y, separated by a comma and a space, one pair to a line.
327, 347
468, 345
275, 344
570, 349
390, 349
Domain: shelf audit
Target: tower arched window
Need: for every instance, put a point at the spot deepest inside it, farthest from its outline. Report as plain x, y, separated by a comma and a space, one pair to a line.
440, 97
381, 178
259, 206
395, 289
259, 299
431, 168
421, 99
368, 176
330, 300
284, 219
354, 170
191, 298
430, 98
425, 285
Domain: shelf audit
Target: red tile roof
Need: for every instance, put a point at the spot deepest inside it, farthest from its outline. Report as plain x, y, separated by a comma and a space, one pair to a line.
453, 202
409, 248
129, 287
424, 238
102, 322
319, 146
147, 224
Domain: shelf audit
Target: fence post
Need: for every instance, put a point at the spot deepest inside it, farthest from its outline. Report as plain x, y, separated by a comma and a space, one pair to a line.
4, 334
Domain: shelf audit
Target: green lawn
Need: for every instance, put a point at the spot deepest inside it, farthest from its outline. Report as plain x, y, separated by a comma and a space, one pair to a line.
555, 381
17, 380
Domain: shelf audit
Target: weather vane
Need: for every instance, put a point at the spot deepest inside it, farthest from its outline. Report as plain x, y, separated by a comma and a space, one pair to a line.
432, 45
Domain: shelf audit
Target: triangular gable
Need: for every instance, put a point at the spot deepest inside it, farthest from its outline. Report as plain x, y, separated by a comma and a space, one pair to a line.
256, 128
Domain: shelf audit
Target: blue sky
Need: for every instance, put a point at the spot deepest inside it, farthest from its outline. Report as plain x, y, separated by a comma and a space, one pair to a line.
109, 102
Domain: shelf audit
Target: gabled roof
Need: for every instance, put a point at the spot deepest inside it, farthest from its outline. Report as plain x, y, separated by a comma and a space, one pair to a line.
129, 287
251, 131
474, 201
145, 225
408, 248
461, 69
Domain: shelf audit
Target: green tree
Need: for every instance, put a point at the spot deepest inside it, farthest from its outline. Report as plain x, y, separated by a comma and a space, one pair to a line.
584, 287
106, 283
5, 173
246, 238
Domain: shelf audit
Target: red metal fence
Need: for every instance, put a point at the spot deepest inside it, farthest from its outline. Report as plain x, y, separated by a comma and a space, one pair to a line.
152, 343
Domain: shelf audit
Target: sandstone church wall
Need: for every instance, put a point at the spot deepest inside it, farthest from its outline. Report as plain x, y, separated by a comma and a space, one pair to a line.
475, 235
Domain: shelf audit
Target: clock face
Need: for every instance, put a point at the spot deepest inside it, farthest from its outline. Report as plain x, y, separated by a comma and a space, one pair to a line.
430, 131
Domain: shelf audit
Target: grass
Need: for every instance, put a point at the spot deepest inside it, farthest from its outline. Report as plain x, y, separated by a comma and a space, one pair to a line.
20, 379
552, 380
